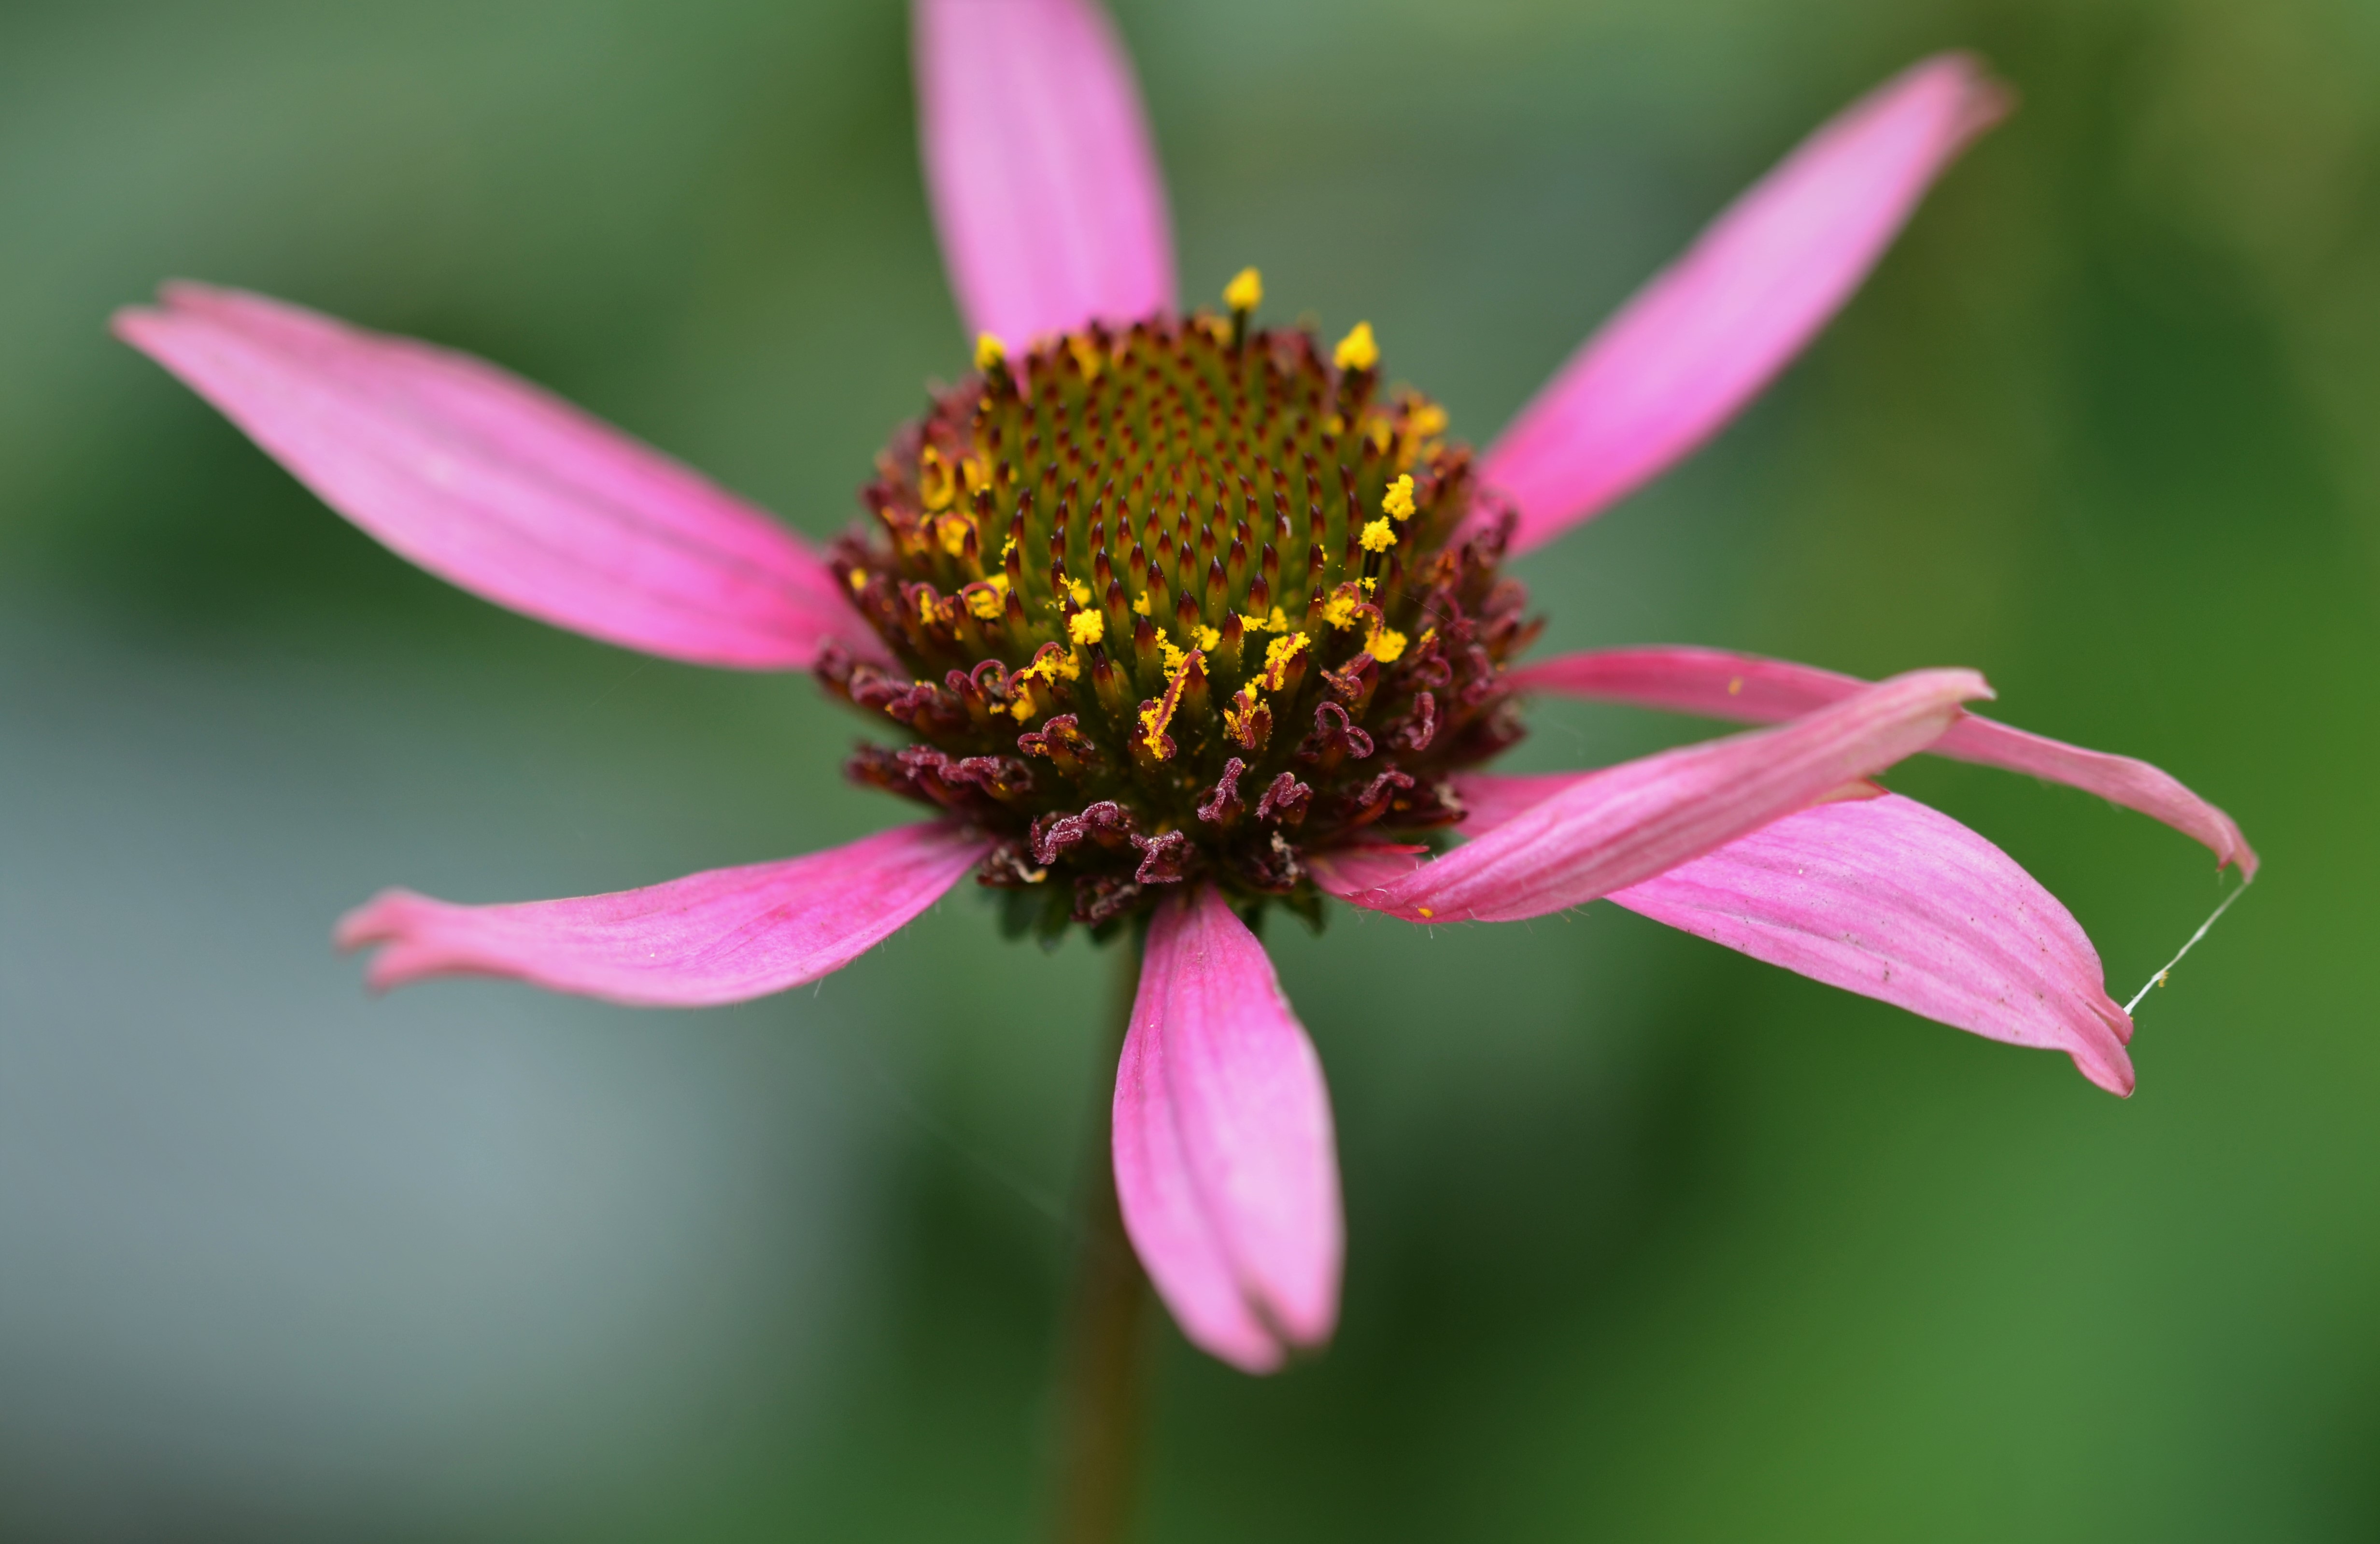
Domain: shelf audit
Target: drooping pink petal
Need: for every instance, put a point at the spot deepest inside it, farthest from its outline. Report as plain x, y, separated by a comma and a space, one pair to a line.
1626, 824
1225, 1161
1696, 343
1746, 689
1040, 167
494, 485
721, 936
1898, 902
1883, 897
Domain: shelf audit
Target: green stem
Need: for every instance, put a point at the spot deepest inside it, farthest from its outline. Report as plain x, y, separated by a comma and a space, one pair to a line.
1106, 1332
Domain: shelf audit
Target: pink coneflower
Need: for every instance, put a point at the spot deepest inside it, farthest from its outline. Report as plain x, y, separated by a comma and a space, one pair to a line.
1168, 618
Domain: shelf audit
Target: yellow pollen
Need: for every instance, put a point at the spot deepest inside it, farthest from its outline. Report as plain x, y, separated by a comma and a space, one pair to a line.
1153, 720
1245, 292
1140, 602
1252, 623
1399, 499
971, 473
858, 577
1383, 436
1735, 687
926, 605
1239, 714
1080, 592
1277, 621
1428, 422
1174, 656
1425, 911
1086, 626
1209, 636
1387, 645
1357, 350
1049, 665
953, 531
1278, 653
1087, 353
1340, 609
936, 486
988, 352
985, 603
1379, 537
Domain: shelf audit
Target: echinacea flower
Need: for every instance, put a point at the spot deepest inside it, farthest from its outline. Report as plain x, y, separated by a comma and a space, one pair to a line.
1172, 616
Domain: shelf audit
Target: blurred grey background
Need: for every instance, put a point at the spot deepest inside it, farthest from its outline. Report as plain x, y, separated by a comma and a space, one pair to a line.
1647, 1241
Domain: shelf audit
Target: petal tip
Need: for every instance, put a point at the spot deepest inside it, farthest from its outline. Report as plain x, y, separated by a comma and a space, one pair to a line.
2107, 1063
1985, 99
139, 326
376, 921
2116, 1077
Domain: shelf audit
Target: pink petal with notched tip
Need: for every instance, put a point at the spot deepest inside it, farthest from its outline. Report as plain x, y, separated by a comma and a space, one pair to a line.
1040, 167
1629, 822
1696, 343
496, 486
723, 936
1880, 895
1225, 1166
1749, 689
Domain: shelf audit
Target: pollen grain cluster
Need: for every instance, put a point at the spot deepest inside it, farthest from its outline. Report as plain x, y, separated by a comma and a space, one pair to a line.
1187, 601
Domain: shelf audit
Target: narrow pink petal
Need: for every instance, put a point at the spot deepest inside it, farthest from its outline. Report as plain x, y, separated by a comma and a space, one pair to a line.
1224, 1161
1898, 902
492, 485
1629, 822
1491, 800
1362, 867
721, 936
1705, 337
1747, 688
1041, 166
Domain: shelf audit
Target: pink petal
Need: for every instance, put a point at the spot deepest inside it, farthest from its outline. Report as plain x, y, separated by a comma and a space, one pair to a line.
1362, 867
1491, 800
1626, 824
1697, 343
1040, 164
1224, 1161
1881, 895
1749, 689
492, 485
721, 936
1898, 902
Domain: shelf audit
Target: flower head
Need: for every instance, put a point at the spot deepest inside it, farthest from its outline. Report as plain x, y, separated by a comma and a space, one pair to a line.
1174, 617
1170, 520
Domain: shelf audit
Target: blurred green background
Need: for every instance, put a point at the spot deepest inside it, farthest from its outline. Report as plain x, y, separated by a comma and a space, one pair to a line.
1647, 1241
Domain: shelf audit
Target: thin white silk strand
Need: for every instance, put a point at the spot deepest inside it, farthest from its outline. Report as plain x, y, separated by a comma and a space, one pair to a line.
2158, 980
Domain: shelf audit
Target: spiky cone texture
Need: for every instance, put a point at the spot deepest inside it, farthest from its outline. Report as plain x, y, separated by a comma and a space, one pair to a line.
1182, 601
